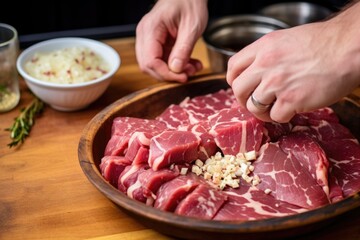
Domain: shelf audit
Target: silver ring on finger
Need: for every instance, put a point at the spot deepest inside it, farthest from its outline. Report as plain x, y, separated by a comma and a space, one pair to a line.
259, 105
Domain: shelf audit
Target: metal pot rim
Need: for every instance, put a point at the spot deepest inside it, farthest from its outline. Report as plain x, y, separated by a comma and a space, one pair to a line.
245, 19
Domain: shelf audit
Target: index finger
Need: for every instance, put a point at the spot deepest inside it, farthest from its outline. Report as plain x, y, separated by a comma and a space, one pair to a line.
240, 62
150, 51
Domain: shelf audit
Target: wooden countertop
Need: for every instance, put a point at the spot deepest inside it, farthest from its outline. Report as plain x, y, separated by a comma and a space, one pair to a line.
45, 195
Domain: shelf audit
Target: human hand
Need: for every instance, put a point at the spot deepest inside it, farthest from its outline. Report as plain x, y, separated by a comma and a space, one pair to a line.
165, 38
298, 69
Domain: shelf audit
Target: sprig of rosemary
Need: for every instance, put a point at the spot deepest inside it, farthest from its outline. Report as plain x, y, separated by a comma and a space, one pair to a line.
22, 125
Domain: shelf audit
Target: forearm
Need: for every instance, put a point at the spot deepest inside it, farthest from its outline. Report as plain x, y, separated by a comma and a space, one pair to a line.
345, 28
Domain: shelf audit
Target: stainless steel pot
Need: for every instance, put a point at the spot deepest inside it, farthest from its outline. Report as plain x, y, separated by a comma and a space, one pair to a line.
296, 13
227, 35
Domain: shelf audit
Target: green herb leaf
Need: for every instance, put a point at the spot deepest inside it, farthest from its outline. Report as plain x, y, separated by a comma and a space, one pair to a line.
23, 123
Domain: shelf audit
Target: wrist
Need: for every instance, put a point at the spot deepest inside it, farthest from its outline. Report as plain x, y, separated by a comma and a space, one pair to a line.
345, 30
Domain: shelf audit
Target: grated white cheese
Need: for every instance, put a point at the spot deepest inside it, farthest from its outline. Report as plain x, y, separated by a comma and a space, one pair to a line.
183, 171
199, 163
196, 169
227, 170
267, 191
250, 155
67, 66
256, 180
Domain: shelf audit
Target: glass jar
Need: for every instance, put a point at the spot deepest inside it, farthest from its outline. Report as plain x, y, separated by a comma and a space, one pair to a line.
9, 82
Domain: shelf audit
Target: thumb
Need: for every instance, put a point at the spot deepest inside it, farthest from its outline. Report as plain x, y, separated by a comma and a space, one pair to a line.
181, 52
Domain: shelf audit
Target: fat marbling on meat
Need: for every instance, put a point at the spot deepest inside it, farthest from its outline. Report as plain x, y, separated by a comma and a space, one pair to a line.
236, 130
307, 163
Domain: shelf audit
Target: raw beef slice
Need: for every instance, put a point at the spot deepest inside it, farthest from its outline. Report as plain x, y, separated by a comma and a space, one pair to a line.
171, 193
286, 179
111, 167
124, 127
174, 116
236, 130
173, 147
150, 182
200, 108
204, 202
207, 146
344, 156
249, 203
138, 147
309, 154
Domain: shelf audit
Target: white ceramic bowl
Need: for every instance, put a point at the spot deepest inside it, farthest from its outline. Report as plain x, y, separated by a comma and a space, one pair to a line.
75, 96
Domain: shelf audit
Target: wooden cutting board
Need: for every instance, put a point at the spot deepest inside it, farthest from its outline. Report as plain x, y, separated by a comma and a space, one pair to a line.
45, 195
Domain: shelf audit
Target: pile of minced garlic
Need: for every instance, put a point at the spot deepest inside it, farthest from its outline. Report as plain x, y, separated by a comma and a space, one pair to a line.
227, 170
67, 66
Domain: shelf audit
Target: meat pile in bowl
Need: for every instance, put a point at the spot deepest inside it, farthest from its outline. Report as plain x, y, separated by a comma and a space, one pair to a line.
208, 158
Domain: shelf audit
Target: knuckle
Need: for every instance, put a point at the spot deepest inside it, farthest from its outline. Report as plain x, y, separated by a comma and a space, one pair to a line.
231, 63
151, 65
146, 67
229, 79
292, 98
281, 117
269, 57
271, 52
274, 79
271, 37
278, 118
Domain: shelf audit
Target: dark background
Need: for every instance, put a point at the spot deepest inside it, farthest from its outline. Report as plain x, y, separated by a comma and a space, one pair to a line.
103, 19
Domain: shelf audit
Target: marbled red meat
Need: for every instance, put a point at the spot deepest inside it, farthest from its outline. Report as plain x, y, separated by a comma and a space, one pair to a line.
124, 127
273, 130
174, 116
307, 118
112, 166
344, 157
287, 179
201, 107
204, 202
173, 192
150, 182
309, 154
173, 147
342, 151
236, 130
249, 203
138, 147
336, 193
323, 130
207, 146
302, 165
129, 176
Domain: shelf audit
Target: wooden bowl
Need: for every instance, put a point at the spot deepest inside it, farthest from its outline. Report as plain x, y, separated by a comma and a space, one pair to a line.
149, 103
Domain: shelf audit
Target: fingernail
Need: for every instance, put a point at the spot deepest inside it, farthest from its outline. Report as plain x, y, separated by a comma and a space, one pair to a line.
176, 65
191, 71
198, 66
